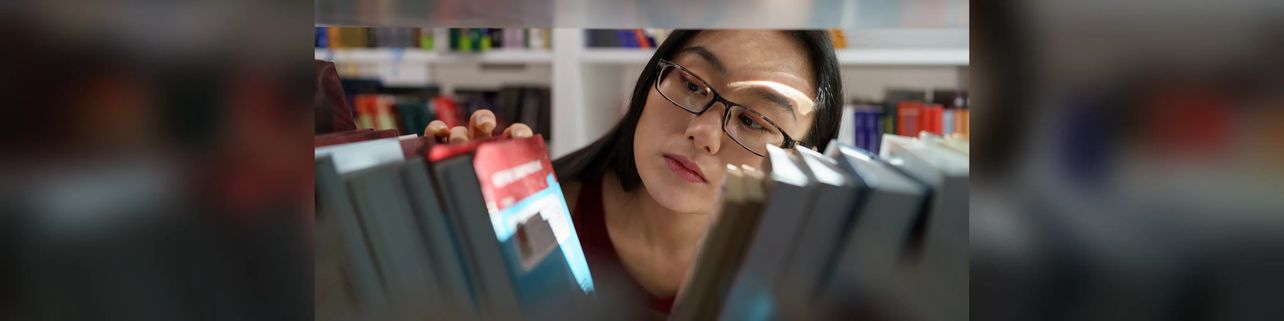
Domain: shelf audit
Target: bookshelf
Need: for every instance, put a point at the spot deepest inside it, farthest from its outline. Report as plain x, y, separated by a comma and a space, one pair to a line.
590, 86
846, 57
414, 55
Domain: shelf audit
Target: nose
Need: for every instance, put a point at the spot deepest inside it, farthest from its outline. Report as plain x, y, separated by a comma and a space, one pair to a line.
705, 130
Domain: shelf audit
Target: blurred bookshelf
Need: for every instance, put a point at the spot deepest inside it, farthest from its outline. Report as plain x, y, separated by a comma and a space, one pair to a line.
410, 55
590, 72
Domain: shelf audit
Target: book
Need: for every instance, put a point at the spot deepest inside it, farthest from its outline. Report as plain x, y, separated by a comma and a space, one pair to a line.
825, 224
942, 263
755, 284
363, 154
501, 195
722, 250
908, 118
457, 297
400, 256
883, 226
337, 224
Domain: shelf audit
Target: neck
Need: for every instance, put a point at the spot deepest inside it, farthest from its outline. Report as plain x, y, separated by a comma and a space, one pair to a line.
635, 214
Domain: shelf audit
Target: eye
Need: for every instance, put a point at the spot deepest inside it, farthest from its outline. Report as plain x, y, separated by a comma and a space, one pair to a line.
751, 122
693, 87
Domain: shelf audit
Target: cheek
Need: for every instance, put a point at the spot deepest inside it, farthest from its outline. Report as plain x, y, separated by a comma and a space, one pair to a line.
659, 120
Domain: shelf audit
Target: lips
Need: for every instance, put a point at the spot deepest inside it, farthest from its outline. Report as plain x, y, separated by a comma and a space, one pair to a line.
685, 168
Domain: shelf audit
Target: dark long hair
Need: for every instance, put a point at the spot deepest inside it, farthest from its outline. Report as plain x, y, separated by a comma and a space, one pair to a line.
614, 151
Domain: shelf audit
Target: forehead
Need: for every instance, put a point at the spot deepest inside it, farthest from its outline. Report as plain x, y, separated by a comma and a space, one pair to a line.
754, 55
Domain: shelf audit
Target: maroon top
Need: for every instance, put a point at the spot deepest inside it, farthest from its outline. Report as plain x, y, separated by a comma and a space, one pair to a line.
604, 263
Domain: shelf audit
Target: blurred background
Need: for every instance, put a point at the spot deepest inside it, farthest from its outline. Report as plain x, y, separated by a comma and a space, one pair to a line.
1129, 153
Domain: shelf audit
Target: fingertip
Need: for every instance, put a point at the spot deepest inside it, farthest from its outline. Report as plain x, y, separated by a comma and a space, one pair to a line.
458, 134
521, 131
437, 128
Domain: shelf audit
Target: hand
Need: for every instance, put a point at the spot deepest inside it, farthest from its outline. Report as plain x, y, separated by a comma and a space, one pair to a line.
480, 125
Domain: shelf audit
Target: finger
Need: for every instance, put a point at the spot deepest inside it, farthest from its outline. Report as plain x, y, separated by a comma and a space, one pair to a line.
482, 124
518, 130
438, 130
458, 134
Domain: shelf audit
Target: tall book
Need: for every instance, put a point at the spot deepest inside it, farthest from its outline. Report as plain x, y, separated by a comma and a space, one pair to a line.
336, 212
883, 227
908, 118
755, 284
722, 250
455, 284
400, 256
515, 226
942, 268
823, 228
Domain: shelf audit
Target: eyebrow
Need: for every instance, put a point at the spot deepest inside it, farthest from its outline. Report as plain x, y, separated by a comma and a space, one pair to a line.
708, 56
780, 100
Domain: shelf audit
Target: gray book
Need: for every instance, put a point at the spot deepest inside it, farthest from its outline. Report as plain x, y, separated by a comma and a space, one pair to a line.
467, 209
723, 248
941, 271
443, 249
824, 228
398, 249
883, 225
754, 285
335, 209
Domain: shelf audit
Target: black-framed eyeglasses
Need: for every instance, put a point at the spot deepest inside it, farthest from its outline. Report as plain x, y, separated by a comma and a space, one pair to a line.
751, 129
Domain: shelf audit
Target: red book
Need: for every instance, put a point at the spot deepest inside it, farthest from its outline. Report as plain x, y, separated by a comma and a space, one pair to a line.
448, 112
908, 115
931, 119
365, 110
504, 200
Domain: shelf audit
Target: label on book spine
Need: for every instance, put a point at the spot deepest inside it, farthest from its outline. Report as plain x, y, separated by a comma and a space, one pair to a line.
525, 201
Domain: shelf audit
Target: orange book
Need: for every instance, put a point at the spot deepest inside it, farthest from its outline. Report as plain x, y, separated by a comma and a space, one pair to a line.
384, 117
365, 110
908, 114
961, 123
333, 34
641, 36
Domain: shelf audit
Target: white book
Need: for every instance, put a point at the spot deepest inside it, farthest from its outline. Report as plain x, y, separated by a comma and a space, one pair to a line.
356, 156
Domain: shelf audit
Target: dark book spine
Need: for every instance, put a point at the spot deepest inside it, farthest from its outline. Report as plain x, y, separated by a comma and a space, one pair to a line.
465, 204
333, 204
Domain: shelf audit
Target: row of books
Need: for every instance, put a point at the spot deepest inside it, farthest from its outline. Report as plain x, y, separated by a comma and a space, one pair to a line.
409, 109
458, 40
651, 38
484, 39
906, 113
410, 229
847, 234
407, 228
382, 37
625, 38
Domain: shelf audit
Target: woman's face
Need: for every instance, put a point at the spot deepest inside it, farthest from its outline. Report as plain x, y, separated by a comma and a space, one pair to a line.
682, 157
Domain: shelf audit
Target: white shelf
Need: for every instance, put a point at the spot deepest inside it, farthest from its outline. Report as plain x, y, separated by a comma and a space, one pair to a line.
920, 57
617, 56
846, 57
413, 55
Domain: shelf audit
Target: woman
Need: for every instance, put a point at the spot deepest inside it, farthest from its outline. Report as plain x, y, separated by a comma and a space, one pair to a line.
642, 195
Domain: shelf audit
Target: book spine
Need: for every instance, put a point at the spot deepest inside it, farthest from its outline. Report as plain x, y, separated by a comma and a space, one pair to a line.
907, 118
